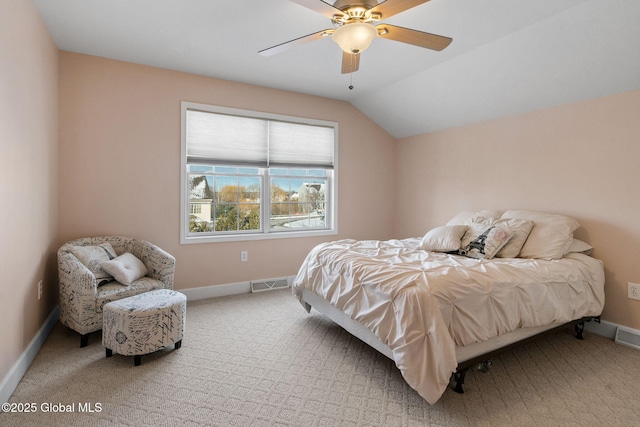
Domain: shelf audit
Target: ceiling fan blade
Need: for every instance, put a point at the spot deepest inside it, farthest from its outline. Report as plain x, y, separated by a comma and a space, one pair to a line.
350, 62
414, 37
295, 42
389, 8
322, 7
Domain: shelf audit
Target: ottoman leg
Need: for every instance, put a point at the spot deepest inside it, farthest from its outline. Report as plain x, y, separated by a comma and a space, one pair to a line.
178, 344
109, 352
84, 340
137, 360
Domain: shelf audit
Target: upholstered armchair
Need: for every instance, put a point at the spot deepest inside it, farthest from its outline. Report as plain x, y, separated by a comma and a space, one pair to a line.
85, 287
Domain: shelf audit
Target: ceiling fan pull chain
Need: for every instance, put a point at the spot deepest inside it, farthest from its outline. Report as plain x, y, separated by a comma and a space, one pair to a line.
353, 56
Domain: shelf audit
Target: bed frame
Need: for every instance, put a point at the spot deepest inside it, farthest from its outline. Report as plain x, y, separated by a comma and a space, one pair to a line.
477, 354
483, 361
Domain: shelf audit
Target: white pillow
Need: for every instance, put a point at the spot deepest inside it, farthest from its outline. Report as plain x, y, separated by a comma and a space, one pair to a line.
580, 247
126, 268
468, 216
482, 241
92, 257
550, 237
443, 239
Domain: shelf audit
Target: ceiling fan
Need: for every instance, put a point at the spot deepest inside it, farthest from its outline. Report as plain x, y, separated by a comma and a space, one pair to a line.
356, 26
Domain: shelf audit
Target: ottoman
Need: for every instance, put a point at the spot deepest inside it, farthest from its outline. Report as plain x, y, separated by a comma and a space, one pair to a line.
144, 323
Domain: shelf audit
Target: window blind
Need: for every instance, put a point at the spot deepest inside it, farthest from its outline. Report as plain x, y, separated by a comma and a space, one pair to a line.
226, 139
215, 138
295, 144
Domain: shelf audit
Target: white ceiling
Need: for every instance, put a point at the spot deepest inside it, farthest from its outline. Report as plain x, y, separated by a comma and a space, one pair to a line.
507, 56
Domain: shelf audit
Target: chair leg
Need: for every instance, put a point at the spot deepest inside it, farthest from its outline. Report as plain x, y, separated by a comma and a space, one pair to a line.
178, 344
109, 352
137, 360
84, 340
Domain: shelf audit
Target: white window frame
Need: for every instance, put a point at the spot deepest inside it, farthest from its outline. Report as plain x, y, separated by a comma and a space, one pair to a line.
331, 193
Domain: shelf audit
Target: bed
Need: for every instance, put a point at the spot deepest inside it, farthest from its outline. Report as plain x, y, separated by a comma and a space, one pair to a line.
480, 283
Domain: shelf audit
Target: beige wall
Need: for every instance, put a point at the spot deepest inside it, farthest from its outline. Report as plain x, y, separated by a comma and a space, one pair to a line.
120, 165
28, 176
580, 160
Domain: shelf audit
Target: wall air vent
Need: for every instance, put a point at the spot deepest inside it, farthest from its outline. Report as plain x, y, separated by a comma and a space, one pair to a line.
269, 285
628, 337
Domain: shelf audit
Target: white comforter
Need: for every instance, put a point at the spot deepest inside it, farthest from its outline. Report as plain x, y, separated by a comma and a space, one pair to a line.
422, 304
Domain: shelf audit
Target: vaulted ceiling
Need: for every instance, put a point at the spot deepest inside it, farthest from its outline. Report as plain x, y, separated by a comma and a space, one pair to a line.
507, 56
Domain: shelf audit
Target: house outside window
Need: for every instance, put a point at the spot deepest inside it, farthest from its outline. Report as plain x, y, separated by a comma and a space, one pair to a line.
249, 175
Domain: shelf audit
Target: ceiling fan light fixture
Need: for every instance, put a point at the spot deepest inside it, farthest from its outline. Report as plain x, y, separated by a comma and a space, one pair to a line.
355, 37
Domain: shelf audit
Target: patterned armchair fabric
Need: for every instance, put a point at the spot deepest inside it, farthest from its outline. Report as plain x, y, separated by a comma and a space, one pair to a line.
81, 300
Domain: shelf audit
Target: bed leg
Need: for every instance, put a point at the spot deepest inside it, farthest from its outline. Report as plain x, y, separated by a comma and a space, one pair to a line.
458, 376
579, 328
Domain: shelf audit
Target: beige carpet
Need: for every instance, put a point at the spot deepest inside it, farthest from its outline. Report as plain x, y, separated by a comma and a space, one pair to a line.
261, 360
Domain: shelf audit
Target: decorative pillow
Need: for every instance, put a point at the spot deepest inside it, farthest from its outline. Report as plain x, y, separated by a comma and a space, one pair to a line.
520, 229
126, 268
92, 257
483, 242
580, 247
443, 239
466, 217
550, 237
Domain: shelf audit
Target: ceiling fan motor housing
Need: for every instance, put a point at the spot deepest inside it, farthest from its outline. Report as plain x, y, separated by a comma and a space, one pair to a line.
346, 4
355, 10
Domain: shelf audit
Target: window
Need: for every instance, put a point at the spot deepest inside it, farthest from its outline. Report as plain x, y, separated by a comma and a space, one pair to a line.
248, 175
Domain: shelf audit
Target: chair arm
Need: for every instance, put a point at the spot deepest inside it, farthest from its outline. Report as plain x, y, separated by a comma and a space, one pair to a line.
77, 292
75, 276
161, 264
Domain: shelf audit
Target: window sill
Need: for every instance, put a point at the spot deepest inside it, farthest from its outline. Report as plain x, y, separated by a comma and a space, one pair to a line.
184, 240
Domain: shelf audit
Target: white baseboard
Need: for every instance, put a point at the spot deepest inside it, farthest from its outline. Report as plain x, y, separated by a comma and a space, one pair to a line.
215, 291
609, 330
604, 328
15, 374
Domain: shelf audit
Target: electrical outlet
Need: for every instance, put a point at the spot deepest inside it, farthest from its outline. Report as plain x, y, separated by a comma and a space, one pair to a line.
244, 256
39, 290
634, 291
